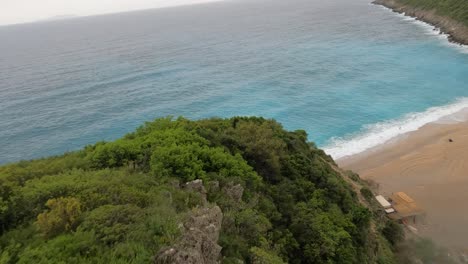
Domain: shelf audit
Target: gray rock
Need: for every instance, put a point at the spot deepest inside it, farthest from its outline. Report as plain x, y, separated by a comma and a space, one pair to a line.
197, 186
213, 186
234, 192
199, 241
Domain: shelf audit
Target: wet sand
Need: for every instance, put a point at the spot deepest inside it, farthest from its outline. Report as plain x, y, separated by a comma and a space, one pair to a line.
429, 168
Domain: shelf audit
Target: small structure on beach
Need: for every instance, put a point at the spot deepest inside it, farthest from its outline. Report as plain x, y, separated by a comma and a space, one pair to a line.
385, 204
405, 206
400, 206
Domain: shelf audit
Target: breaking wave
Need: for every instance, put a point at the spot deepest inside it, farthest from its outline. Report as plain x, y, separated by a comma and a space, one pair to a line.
379, 133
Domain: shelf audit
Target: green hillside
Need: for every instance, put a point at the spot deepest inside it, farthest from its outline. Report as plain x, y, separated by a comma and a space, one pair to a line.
455, 9
282, 199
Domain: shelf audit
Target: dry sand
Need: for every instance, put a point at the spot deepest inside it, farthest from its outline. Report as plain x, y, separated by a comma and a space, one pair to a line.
432, 170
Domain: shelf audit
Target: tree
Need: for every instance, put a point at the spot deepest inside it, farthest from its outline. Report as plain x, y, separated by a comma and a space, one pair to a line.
393, 232
261, 256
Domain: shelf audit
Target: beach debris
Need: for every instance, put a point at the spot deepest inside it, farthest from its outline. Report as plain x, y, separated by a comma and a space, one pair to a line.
450, 140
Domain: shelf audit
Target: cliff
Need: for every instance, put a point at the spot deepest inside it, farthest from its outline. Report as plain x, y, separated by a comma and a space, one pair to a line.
453, 26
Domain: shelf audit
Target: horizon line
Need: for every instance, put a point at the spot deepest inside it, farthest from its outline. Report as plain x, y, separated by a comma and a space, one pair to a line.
62, 17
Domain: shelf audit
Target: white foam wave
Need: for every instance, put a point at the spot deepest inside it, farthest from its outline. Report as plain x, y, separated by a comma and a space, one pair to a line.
434, 31
376, 134
431, 30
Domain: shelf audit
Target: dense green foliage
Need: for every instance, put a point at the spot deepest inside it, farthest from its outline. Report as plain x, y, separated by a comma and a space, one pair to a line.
120, 202
455, 9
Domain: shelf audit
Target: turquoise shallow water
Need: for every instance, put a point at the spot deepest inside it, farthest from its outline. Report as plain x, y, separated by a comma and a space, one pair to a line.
350, 73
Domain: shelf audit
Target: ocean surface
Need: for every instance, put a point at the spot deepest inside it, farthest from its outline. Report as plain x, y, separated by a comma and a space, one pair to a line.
351, 74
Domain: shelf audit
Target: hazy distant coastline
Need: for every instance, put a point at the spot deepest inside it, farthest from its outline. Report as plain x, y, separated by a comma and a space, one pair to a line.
61, 17
457, 31
70, 14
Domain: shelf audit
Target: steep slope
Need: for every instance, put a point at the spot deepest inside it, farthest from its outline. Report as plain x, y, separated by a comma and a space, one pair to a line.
281, 200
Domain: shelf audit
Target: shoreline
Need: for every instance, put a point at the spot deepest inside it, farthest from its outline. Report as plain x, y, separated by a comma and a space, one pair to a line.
432, 170
375, 135
457, 32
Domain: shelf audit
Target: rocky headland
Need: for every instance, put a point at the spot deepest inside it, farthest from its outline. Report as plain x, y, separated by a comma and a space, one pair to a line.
457, 31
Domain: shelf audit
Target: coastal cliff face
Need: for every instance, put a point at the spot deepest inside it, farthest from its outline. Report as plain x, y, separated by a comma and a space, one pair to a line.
457, 31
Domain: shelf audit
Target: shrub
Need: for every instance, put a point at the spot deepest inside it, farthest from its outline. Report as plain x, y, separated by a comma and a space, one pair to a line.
63, 216
393, 232
111, 222
367, 193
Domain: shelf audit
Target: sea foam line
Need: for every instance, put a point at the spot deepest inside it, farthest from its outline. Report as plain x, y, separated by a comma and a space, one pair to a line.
380, 133
430, 30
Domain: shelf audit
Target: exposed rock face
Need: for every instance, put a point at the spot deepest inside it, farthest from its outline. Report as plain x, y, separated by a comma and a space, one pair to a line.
197, 186
458, 32
234, 192
199, 241
213, 186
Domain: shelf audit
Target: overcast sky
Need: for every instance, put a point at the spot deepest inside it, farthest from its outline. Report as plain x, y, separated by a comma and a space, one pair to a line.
20, 11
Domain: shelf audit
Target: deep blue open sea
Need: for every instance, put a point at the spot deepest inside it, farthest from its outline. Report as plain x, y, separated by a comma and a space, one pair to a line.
350, 73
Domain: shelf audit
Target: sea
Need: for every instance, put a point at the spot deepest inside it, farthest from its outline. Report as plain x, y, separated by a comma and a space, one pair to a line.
352, 74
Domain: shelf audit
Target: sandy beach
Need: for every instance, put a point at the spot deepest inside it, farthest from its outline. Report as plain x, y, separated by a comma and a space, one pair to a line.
432, 170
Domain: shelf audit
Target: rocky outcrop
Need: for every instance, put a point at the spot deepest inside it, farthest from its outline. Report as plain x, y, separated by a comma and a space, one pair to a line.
457, 31
197, 186
198, 243
213, 186
234, 192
